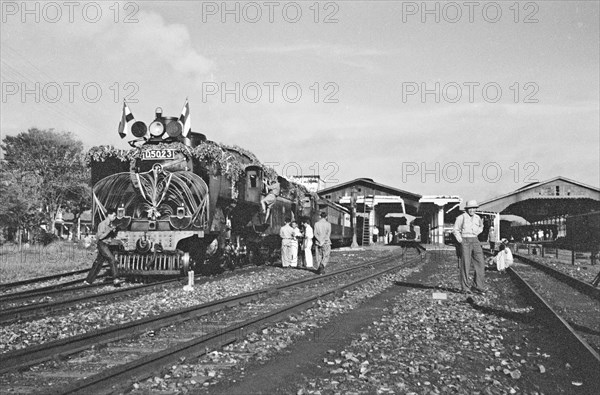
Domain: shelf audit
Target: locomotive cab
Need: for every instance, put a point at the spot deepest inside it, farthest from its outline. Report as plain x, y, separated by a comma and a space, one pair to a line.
254, 183
308, 206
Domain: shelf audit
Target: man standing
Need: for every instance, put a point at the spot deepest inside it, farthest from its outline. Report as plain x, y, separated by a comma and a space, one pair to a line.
308, 242
294, 244
288, 237
466, 228
104, 237
322, 236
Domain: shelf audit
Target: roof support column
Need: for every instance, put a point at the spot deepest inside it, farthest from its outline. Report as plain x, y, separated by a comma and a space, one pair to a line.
440, 226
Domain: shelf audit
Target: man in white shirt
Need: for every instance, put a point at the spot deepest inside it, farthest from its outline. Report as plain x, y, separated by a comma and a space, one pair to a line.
466, 229
308, 242
288, 237
294, 244
504, 258
323, 239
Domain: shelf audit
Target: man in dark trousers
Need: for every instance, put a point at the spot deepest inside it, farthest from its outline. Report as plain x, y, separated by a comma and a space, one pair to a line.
323, 242
466, 229
105, 234
274, 189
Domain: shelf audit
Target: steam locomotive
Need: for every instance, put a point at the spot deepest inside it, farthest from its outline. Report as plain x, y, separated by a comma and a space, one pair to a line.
187, 203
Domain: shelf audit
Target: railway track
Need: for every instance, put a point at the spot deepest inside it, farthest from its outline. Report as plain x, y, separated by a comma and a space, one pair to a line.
575, 283
28, 307
47, 291
33, 303
37, 280
40, 284
570, 306
184, 333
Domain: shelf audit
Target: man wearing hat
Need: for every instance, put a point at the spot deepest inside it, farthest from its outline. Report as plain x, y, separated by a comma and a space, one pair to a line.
466, 229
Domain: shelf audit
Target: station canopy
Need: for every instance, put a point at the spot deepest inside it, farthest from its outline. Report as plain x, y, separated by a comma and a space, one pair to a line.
557, 197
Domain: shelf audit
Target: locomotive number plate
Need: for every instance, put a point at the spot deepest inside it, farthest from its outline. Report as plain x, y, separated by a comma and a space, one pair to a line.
158, 154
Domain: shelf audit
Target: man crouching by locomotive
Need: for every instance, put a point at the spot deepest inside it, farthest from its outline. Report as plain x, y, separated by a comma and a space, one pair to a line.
106, 232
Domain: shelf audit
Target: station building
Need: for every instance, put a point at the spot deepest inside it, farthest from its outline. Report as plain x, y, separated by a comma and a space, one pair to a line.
380, 208
314, 183
546, 206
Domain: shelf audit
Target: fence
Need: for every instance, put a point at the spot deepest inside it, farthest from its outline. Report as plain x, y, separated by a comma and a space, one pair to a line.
550, 250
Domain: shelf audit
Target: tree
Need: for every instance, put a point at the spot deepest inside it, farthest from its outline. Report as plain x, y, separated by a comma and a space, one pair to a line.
56, 162
20, 209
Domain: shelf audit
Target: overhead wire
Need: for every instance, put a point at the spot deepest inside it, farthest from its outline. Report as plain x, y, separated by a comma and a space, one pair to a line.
60, 108
32, 74
12, 74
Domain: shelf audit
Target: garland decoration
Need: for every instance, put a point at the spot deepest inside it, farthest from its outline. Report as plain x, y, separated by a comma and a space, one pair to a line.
218, 158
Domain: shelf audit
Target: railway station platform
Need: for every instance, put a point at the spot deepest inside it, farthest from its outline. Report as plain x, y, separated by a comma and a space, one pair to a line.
401, 244
438, 247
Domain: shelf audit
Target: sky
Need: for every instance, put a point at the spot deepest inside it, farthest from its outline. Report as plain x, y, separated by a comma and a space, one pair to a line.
474, 99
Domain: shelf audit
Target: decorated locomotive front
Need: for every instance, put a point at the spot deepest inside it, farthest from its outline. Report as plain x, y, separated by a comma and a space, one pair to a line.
161, 204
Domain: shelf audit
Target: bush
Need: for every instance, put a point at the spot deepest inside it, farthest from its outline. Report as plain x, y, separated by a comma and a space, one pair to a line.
44, 237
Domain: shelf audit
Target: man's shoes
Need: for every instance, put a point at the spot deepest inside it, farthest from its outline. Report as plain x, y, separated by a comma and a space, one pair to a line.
117, 283
86, 283
466, 292
479, 291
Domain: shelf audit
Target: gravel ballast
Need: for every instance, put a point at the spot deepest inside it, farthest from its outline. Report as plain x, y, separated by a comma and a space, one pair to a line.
492, 344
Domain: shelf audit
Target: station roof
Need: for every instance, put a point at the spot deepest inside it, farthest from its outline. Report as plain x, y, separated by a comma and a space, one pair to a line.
375, 185
440, 200
555, 197
411, 200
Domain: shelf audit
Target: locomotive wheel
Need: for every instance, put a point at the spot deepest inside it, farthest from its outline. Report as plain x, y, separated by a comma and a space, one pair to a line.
186, 263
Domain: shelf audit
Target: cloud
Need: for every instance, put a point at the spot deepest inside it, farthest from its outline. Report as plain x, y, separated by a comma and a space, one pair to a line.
316, 48
355, 57
154, 40
169, 43
151, 41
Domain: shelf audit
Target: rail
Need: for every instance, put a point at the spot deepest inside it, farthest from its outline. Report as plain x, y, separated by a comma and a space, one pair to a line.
119, 376
40, 353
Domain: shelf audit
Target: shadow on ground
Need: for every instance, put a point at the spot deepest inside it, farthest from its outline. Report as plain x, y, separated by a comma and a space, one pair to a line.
424, 286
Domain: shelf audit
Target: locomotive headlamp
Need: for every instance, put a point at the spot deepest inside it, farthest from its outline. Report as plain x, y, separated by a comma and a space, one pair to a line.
142, 246
139, 129
174, 128
157, 128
